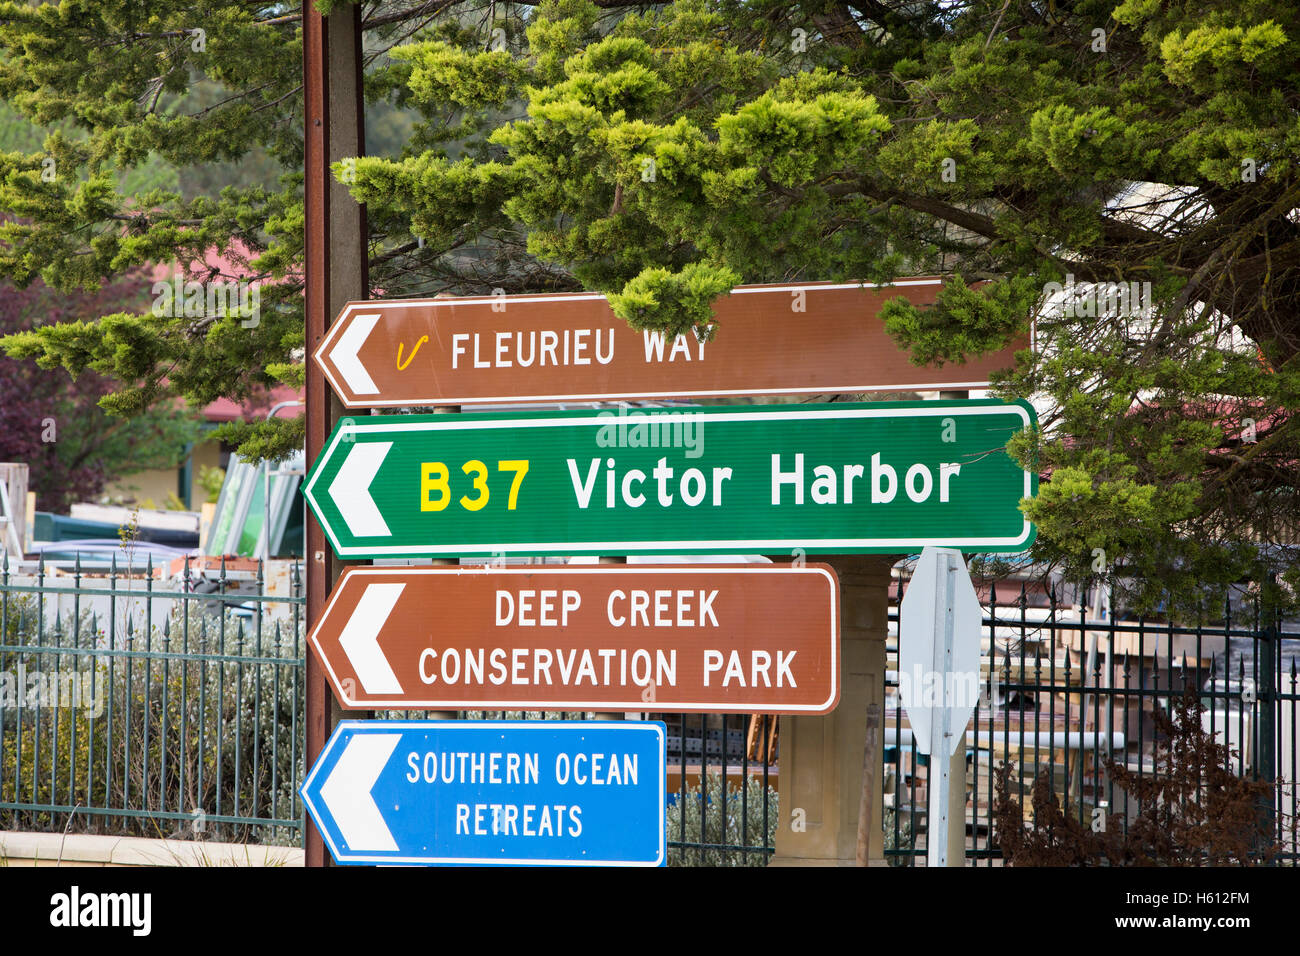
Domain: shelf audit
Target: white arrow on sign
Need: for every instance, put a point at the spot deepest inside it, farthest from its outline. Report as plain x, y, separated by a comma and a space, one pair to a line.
360, 638
345, 358
939, 672
350, 489
346, 793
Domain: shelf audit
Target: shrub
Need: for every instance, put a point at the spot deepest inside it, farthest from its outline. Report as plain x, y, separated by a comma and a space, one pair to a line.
743, 824
172, 737
905, 840
1193, 811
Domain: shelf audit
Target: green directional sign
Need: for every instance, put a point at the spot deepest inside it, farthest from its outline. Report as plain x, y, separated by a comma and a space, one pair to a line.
848, 478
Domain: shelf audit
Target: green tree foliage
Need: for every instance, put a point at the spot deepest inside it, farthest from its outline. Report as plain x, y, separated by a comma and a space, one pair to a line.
121, 87
72, 447
662, 153
134, 133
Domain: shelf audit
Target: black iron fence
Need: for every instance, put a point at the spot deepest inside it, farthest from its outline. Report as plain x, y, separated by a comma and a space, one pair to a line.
133, 706
1077, 701
136, 707
147, 704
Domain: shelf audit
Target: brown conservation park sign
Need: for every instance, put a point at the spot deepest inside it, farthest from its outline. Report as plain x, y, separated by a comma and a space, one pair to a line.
779, 339
681, 638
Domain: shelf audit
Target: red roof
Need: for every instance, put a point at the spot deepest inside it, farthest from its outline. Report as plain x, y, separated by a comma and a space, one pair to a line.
224, 410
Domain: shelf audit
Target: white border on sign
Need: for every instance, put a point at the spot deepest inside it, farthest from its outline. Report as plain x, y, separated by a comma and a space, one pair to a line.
337, 327
402, 726
638, 704
756, 545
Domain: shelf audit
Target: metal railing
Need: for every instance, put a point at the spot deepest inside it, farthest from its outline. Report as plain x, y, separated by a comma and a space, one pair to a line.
132, 709
722, 788
1069, 699
128, 707
139, 710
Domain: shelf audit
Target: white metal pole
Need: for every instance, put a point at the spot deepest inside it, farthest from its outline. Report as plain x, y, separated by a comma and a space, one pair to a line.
941, 729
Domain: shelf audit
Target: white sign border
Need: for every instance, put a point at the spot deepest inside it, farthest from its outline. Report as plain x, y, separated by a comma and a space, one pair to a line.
636, 705
754, 545
402, 726
321, 355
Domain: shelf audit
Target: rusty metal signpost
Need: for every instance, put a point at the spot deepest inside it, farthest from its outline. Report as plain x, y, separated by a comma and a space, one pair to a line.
685, 638
335, 270
771, 340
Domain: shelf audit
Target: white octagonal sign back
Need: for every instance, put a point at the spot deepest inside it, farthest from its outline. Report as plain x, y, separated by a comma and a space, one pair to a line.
933, 675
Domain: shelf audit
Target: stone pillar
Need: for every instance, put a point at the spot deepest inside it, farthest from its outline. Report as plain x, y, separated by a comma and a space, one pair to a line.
957, 805
821, 757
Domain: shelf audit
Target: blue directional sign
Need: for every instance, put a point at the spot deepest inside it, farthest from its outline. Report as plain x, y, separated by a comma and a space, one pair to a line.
545, 793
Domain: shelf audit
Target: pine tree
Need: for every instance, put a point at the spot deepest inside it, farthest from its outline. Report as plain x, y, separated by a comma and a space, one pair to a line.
671, 153
664, 153
72, 447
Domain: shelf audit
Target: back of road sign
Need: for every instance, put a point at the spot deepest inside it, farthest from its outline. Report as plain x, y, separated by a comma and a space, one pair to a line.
934, 673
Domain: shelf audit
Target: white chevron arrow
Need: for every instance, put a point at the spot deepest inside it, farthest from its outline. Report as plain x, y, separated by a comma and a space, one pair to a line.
350, 489
344, 355
347, 792
360, 638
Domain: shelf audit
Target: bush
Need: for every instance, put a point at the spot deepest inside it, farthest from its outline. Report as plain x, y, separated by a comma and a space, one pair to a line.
905, 842
737, 829
1193, 811
722, 842
181, 737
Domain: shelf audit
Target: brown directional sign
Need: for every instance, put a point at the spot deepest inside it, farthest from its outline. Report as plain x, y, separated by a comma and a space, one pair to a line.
699, 638
771, 340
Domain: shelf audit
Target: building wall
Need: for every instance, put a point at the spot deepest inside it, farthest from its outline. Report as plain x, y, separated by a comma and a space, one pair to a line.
152, 488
